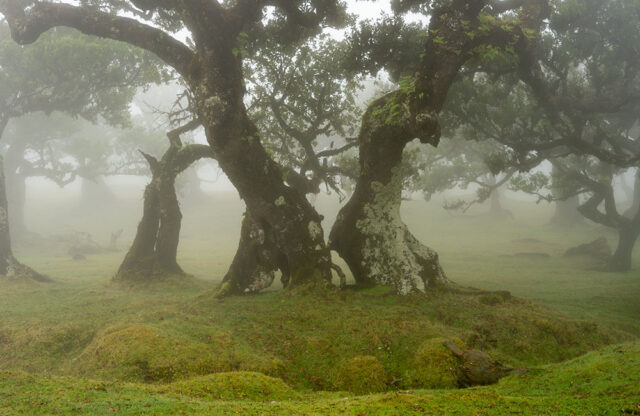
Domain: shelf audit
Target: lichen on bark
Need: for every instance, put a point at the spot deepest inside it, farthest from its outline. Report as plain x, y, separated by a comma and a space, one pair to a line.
390, 253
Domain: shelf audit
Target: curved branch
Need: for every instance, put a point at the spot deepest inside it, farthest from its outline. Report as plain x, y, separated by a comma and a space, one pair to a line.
27, 26
190, 153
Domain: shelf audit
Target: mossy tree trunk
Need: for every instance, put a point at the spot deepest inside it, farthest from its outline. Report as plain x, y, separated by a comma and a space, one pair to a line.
261, 182
369, 233
255, 262
153, 253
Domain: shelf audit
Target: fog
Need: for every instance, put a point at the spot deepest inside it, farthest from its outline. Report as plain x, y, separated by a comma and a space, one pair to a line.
319, 207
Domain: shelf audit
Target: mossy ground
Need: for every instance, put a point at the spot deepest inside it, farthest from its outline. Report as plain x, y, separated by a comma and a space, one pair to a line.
85, 346
600, 383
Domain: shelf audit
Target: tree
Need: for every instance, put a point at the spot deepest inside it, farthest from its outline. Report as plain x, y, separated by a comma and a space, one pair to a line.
302, 104
153, 253
212, 69
369, 233
63, 72
460, 162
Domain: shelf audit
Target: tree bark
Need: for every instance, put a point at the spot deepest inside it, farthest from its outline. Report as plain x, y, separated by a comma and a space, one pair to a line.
153, 254
369, 233
139, 262
260, 181
255, 262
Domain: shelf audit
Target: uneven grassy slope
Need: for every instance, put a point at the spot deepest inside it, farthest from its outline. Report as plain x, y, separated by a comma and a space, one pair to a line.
600, 383
83, 346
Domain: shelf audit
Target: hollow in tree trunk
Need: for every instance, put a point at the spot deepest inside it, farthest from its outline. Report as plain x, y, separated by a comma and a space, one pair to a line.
10, 267
369, 233
153, 253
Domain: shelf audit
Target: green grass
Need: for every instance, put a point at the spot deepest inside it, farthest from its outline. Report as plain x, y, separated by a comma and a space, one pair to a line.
84, 346
600, 383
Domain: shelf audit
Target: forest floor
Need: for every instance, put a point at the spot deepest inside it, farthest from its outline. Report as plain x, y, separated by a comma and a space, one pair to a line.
84, 346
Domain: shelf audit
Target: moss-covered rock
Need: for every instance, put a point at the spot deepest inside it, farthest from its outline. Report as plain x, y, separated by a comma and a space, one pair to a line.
434, 367
362, 374
240, 385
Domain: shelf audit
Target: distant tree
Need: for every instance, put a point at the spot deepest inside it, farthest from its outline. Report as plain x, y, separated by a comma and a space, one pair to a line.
69, 73
153, 254
458, 162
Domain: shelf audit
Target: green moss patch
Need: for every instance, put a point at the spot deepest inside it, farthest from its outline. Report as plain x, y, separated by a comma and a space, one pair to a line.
434, 367
362, 374
240, 385
145, 353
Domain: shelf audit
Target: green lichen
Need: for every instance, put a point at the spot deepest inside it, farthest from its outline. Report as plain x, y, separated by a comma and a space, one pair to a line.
391, 255
280, 201
315, 230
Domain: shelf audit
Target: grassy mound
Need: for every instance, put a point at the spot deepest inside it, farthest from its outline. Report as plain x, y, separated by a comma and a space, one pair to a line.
145, 353
239, 385
600, 383
162, 336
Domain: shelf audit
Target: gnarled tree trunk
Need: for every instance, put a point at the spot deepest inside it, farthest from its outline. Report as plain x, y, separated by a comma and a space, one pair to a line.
295, 225
369, 233
153, 253
255, 262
